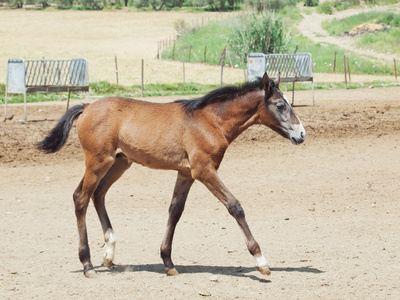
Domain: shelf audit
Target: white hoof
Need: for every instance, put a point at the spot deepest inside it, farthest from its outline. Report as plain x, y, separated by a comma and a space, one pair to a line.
90, 273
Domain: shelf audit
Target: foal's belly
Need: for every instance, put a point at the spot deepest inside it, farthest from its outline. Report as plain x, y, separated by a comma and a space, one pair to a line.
158, 159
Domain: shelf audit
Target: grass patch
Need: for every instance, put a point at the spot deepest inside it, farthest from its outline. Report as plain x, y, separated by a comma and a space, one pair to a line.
323, 56
206, 44
202, 45
103, 89
338, 27
388, 40
182, 89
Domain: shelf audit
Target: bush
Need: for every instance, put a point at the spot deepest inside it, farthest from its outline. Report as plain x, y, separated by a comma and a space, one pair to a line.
325, 8
181, 26
258, 33
262, 5
311, 3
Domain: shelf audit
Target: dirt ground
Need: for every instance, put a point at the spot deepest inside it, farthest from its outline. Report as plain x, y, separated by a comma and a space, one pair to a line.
325, 213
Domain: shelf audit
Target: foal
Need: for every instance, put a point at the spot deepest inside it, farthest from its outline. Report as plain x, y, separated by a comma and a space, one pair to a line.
189, 136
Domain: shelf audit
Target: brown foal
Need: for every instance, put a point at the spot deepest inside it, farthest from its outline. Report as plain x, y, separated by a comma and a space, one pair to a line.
189, 136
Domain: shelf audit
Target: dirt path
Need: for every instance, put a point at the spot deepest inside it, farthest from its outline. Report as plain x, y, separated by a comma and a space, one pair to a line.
311, 27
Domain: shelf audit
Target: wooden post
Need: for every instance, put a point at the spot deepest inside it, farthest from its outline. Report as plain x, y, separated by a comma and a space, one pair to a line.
116, 69
183, 67
395, 68
244, 70
334, 64
222, 64
205, 54
173, 52
344, 66
348, 68
229, 56
142, 78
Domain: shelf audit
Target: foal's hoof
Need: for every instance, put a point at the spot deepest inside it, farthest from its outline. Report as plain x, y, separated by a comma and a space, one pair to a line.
171, 272
90, 273
264, 270
108, 263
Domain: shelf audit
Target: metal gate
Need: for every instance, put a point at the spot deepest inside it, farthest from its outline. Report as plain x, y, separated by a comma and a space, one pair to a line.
292, 67
46, 75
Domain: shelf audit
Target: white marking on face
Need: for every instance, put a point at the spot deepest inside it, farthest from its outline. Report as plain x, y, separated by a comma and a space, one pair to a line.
286, 99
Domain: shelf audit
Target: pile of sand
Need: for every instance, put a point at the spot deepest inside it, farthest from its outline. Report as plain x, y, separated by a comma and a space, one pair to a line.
367, 27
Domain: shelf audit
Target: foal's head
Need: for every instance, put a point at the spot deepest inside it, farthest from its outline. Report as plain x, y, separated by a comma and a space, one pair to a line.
278, 113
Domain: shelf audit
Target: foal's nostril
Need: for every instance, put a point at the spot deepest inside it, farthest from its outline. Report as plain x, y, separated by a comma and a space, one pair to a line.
302, 134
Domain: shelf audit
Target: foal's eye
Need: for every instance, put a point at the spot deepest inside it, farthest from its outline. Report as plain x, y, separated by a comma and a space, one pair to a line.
280, 106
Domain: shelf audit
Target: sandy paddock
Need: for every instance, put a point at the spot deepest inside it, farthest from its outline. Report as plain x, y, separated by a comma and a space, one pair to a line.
325, 213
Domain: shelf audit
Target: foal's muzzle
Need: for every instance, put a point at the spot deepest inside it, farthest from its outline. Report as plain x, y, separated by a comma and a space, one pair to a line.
298, 140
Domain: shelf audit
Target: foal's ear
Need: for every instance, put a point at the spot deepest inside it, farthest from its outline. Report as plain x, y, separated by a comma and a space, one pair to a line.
266, 83
278, 80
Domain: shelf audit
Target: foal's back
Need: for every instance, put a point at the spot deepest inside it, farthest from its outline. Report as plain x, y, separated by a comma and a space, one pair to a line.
152, 134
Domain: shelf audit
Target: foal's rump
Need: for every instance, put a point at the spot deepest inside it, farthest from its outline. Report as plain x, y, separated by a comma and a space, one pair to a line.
151, 134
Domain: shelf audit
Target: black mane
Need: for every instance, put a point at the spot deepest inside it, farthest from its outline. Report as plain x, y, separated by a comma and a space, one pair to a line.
222, 94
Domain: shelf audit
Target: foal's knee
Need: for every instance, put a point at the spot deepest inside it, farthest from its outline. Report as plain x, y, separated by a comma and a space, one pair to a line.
236, 210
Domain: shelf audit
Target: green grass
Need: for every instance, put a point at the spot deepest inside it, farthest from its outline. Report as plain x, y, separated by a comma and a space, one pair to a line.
103, 89
323, 56
387, 41
213, 36
338, 27
181, 89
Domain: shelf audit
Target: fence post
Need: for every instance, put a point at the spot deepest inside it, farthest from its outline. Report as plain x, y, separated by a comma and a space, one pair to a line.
229, 56
395, 69
348, 68
244, 70
142, 78
173, 52
183, 67
205, 53
334, 64
222, 64
116, 69
345, 74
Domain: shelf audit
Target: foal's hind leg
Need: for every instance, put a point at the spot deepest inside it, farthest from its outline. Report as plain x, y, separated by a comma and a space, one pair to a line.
182, 187
209, 177
96, 168
119, 167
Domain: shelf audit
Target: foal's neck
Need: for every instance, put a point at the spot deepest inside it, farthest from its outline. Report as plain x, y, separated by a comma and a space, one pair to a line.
239, 114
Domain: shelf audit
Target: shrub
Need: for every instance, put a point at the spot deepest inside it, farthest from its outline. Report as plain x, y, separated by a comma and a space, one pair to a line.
311, 2
258, 33
325, 8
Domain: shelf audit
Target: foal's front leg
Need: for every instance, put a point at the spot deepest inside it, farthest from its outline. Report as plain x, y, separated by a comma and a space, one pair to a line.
182, 187
209, 177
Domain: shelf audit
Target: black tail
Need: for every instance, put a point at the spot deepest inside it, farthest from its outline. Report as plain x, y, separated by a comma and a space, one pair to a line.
59, 134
